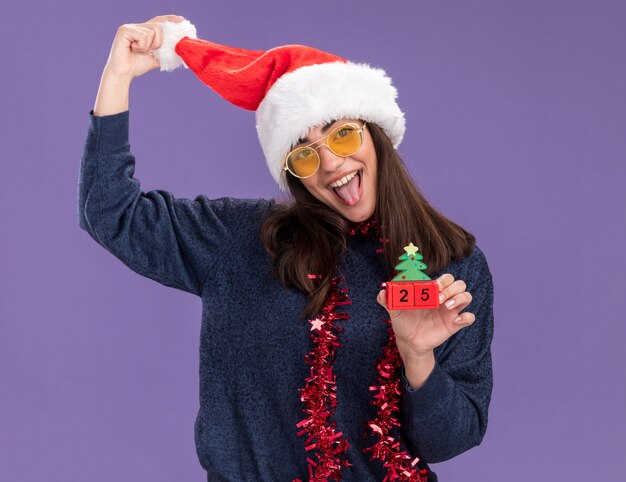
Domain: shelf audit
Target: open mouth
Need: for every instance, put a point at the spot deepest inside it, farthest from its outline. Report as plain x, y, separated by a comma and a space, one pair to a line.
348, 188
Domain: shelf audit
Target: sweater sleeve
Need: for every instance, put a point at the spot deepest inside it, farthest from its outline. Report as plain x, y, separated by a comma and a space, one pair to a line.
447, 415
172, 241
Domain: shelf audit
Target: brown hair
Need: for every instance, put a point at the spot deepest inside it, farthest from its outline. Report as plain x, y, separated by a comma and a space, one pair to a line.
306, 225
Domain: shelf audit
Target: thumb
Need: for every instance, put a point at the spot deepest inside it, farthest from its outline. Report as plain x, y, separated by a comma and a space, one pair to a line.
382, 298
155, 61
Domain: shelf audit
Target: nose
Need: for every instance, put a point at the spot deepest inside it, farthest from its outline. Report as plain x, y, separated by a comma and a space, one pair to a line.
329, 161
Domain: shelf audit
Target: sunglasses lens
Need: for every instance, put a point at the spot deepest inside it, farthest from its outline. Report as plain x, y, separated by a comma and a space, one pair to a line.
303, 162
344, 140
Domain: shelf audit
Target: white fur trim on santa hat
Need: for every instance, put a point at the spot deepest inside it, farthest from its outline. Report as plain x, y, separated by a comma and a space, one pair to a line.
314, 95
172, 33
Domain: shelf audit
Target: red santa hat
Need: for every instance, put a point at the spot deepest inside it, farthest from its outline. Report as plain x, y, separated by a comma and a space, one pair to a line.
292, 88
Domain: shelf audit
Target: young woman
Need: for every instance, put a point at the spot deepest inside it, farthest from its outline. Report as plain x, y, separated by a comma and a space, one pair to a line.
311, 377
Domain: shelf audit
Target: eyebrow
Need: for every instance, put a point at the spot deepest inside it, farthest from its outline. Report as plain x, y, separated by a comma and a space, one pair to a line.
304, 140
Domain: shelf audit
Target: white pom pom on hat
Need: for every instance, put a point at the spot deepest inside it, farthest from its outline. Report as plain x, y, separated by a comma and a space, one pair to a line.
173, 32
292, 88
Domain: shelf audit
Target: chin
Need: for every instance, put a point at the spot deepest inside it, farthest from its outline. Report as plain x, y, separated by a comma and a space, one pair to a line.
356, 216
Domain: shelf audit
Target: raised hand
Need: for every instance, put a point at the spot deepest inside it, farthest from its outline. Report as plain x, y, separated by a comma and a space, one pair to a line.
130, 52
129, 58
419, 332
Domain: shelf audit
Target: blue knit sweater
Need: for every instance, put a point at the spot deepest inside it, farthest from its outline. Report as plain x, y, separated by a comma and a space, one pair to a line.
253, 342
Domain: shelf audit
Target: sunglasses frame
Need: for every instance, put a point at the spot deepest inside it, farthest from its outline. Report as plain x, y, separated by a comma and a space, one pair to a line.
358, 128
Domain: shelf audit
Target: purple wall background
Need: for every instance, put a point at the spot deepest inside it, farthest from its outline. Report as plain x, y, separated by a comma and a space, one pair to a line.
516, 117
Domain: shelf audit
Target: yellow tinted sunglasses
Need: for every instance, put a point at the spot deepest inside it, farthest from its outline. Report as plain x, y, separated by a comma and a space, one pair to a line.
343, 140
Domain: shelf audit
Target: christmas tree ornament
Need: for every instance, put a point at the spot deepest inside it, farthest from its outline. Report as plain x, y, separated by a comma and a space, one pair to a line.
412, 289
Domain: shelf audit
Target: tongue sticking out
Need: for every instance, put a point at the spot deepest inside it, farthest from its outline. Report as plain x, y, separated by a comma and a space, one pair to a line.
349, 193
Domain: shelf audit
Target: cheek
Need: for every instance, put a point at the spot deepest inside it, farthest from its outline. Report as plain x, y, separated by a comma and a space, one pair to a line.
312, 188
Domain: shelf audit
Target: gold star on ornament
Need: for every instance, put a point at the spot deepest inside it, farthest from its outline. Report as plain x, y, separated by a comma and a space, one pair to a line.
411, 249
317, 324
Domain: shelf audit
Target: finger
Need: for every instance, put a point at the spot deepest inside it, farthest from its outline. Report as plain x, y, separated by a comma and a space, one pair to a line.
382, 297
458, 302
451, 290
464, 319
149, 39
382, 300
146, 39
138, 38
157, 40
444, 281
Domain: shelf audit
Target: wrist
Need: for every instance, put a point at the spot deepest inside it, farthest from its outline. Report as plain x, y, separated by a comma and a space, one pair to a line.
111, 77
410, 354
418, 369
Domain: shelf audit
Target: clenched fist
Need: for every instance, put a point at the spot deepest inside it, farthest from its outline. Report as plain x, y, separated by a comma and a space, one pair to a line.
130, 54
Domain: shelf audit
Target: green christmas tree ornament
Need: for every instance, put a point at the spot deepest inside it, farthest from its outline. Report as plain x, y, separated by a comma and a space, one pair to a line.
412, 289
411, 265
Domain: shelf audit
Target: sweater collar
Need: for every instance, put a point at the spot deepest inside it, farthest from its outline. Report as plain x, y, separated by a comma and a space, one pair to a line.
368, 228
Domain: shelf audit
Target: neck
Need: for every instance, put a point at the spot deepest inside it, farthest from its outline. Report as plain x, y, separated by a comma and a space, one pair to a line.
368, 227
